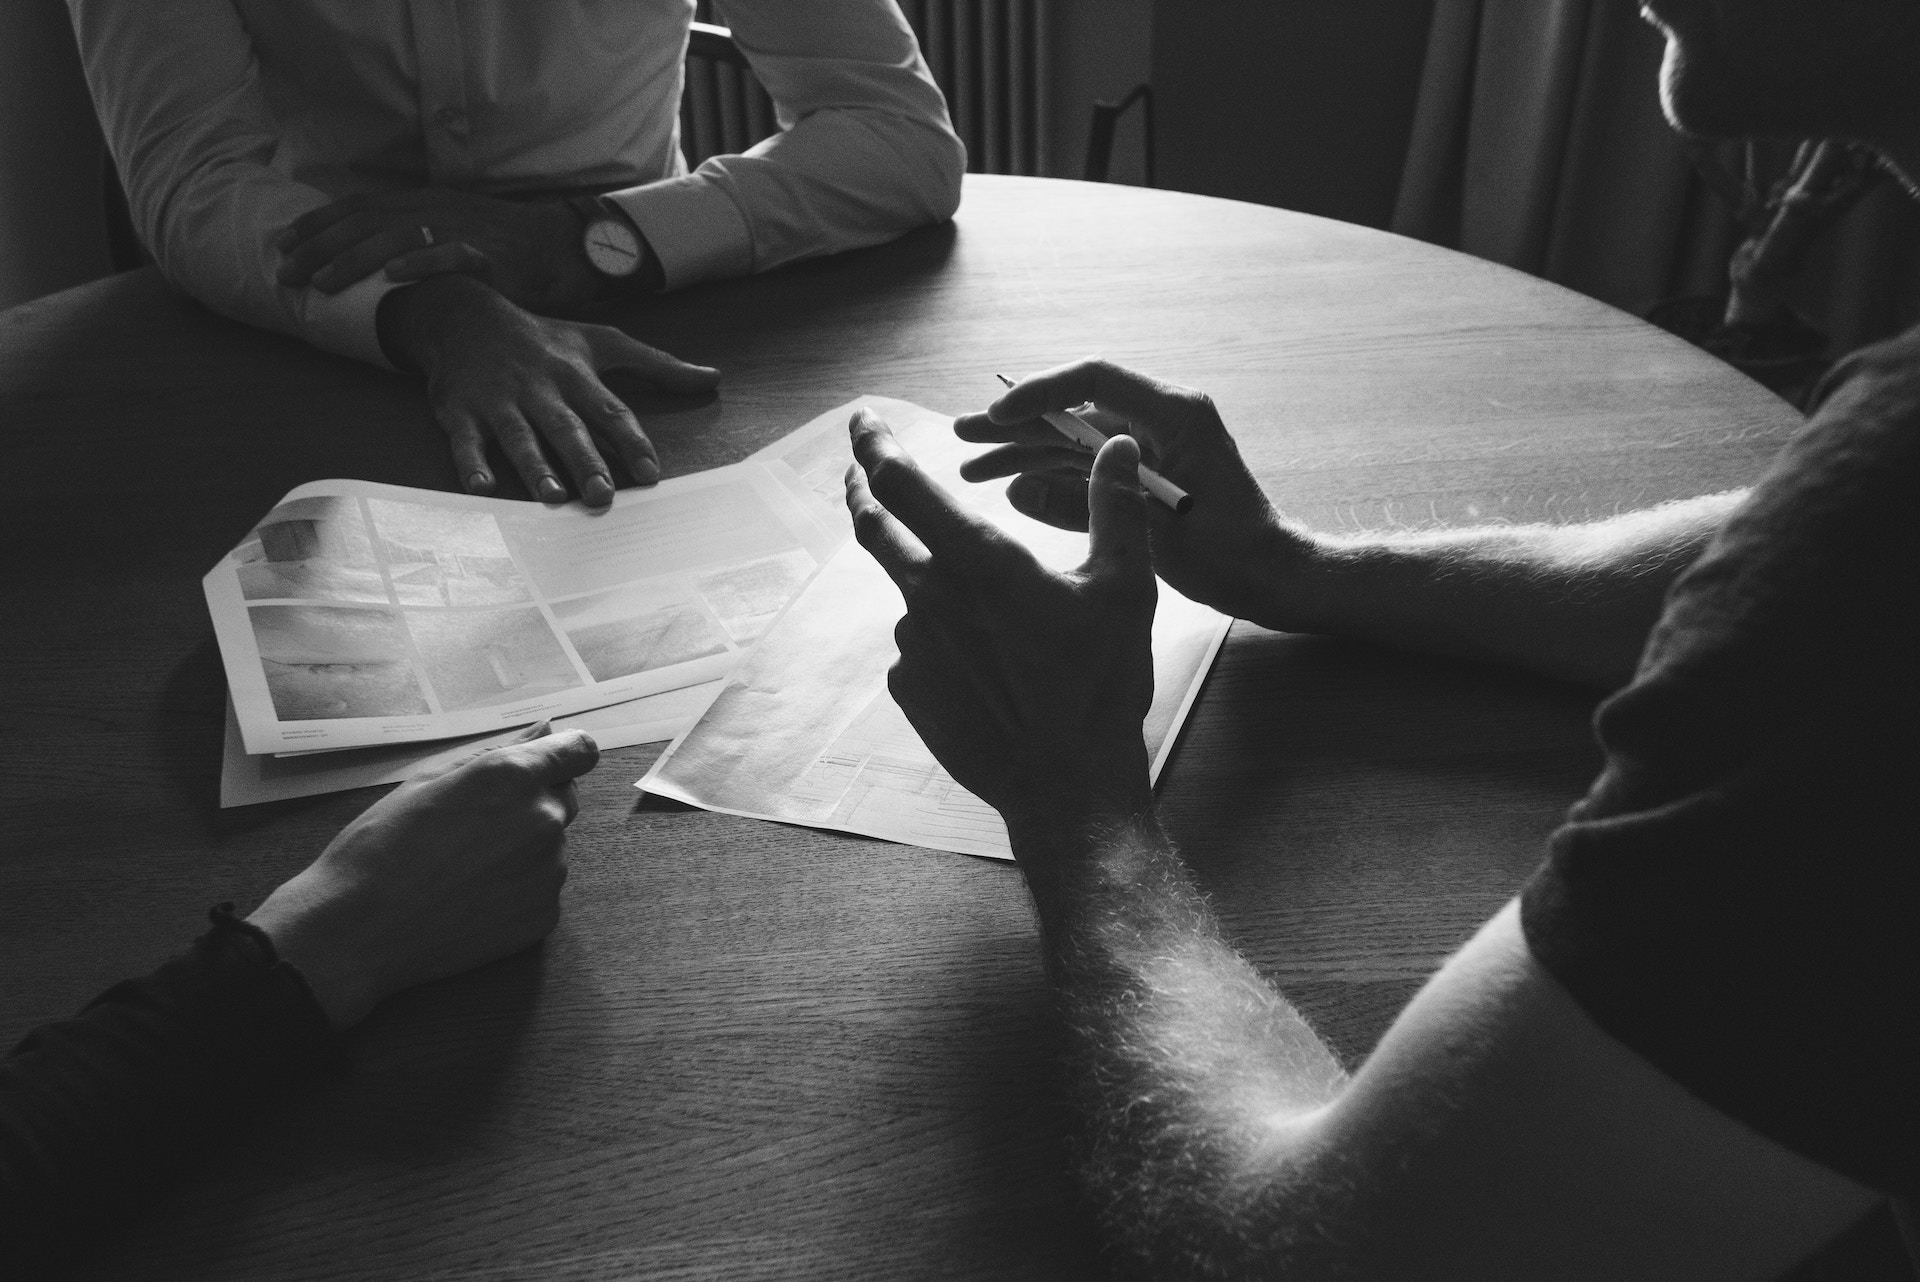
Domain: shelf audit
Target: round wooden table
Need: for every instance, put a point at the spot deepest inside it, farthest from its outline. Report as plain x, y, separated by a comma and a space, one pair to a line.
753, 1051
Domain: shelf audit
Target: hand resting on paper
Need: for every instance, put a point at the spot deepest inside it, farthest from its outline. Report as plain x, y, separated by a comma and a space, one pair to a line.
1030, 686
453, 868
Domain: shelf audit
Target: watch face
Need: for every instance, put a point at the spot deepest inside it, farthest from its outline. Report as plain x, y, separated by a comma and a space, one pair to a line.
612, 247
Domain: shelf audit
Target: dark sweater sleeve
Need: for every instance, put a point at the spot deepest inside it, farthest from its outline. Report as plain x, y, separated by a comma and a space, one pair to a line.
1738, 897
96, 1110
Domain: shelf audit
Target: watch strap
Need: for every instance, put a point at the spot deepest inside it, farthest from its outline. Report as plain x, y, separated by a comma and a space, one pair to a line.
590, 209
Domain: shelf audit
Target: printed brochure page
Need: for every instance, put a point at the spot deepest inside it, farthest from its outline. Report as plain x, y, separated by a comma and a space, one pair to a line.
357, 613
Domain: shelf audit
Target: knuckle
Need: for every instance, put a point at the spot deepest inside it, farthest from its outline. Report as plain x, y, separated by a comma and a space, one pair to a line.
917, 596
518, 439
500, 767
886, 471
869, 519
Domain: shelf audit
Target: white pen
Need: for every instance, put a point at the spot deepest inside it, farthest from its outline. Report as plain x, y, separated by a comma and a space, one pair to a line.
1076, 429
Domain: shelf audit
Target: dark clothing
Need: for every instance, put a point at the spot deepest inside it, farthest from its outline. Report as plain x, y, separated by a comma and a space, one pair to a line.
97, 1109
1738, 897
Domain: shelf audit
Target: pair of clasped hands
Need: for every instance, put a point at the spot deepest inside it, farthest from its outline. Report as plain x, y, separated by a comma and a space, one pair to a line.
1030, 685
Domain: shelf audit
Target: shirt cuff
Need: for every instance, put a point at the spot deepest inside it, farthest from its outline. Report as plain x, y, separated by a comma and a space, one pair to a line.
693, 227
348, 323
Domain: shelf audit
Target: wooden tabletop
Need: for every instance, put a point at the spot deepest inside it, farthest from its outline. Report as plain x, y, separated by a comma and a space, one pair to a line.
753, 1051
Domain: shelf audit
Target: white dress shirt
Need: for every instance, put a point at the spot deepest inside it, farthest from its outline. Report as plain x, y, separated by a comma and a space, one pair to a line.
228, 119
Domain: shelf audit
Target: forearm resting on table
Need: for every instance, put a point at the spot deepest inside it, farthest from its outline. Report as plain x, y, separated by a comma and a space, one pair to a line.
1495, 1131
1187, 1066
1574, 602
98, 1111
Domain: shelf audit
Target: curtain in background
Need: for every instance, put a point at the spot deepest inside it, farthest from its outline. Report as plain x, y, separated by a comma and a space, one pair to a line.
1538, 142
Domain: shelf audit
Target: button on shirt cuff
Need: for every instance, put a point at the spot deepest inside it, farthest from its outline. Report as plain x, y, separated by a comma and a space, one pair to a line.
347, 323
693, 227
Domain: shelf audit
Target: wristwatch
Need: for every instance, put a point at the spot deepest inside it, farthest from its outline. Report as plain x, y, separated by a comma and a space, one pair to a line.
608, 238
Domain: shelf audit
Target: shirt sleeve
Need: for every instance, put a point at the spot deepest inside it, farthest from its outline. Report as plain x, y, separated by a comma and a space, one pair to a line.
1738, 897
866, 150
177, 87
97, 1109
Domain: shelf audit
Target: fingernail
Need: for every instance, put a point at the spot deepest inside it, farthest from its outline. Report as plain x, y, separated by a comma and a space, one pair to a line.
1028, 494
551, 491
597, 492
479, 483
646, 471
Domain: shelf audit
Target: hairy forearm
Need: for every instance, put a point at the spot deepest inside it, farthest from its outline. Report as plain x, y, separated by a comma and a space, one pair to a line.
1188, 1067
1569, 601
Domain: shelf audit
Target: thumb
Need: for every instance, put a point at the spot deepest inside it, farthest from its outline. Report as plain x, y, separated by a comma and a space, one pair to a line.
557, 758
1117, 512
613, 349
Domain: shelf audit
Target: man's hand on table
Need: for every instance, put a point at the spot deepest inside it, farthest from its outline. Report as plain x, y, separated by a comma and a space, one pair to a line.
1232, 551
497, 372
1030, 686
451, 869
527, 250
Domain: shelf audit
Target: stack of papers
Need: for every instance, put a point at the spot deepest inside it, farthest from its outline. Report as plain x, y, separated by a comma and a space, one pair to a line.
371, 631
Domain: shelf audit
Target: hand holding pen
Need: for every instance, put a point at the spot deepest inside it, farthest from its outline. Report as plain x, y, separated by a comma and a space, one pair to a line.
1076, 427
1230, 550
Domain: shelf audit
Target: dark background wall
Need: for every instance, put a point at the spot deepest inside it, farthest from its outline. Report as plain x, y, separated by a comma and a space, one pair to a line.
1306, 104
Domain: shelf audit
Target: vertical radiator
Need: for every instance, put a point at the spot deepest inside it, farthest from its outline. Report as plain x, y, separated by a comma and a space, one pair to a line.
990, 57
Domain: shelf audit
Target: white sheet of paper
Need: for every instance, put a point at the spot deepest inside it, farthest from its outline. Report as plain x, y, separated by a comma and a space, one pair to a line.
246, 780
358, 614
805, 732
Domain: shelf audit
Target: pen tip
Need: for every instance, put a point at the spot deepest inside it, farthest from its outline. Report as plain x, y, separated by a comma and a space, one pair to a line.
1004, 379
